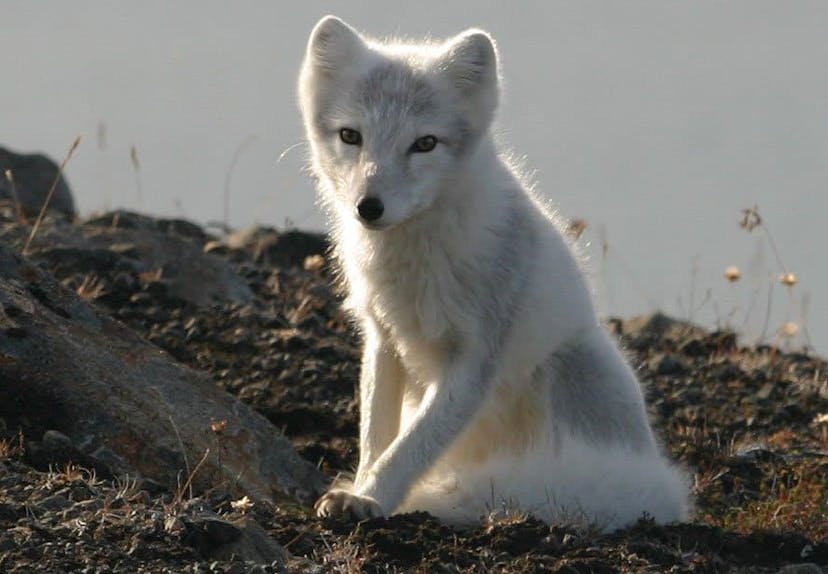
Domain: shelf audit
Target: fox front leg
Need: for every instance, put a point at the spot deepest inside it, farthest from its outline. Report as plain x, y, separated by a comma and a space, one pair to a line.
446, 408
381, 384
380, 403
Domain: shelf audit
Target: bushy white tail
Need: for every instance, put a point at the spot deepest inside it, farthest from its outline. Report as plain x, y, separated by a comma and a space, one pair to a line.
572, 482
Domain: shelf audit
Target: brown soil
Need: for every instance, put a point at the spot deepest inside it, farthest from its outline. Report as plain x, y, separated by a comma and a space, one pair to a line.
743, 421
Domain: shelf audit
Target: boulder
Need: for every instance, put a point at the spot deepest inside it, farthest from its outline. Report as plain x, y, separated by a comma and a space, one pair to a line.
33, 177
170, 250
64, 366
287, 248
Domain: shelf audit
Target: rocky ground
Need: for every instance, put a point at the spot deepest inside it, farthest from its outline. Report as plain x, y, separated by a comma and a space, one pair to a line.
749, 423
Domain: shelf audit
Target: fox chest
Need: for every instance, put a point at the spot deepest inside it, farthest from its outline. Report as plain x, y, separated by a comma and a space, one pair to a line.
415, 311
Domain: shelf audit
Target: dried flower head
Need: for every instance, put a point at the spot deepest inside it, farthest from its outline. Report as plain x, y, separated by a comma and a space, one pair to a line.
218, 426
314, 262
576, 227
789, 330
821, 419
151, 275
732, 274
9, 176
242, 505
750, 218
788, 279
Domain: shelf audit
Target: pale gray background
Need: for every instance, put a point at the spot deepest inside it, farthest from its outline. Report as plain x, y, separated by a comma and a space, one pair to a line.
654, 121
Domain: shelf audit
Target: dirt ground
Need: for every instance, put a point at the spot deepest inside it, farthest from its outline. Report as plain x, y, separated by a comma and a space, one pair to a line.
748, 423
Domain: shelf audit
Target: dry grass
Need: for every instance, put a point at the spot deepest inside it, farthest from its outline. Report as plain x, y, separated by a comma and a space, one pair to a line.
18, 209
70, 474
91, 288
344, 556
820, 422
136, 170
11, 447
151, 275
176, 506
797, 500
49, 195
793, 326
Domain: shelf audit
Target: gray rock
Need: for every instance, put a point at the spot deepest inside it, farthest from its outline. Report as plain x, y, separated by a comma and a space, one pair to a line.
100, 384
174, 247
253, 544
56, 440
667, 364
33, 176
171, 249
7, 543
56, 450
804, 568
278, 248
55, 502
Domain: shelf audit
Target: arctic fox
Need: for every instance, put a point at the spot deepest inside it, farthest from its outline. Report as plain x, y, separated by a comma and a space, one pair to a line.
487, 381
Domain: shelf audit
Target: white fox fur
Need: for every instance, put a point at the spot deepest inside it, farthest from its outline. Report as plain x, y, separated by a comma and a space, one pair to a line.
487, 379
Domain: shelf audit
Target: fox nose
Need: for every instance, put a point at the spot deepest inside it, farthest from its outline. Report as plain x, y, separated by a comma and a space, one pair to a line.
370, 208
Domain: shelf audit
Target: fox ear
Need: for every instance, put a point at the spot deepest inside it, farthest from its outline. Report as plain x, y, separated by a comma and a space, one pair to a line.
469, 64
470, 61
332, 44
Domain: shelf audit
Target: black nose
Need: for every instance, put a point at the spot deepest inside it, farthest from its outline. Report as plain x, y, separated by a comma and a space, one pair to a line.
370, 208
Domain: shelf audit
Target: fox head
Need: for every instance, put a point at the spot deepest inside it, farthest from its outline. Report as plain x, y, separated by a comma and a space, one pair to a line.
388, 123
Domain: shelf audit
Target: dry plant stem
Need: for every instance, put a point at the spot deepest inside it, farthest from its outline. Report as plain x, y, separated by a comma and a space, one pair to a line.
218, 454
49, 195
236, 155
694, 272
18, 210
188, 485
754, 297
136, 167
183, 451
772, 243
767, 312
804, 307
791, 304
101, 135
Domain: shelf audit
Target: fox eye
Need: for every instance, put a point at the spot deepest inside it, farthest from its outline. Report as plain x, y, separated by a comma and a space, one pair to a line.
350, 137
424, 144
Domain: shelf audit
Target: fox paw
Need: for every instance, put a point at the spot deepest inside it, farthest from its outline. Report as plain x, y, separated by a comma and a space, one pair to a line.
344, 504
